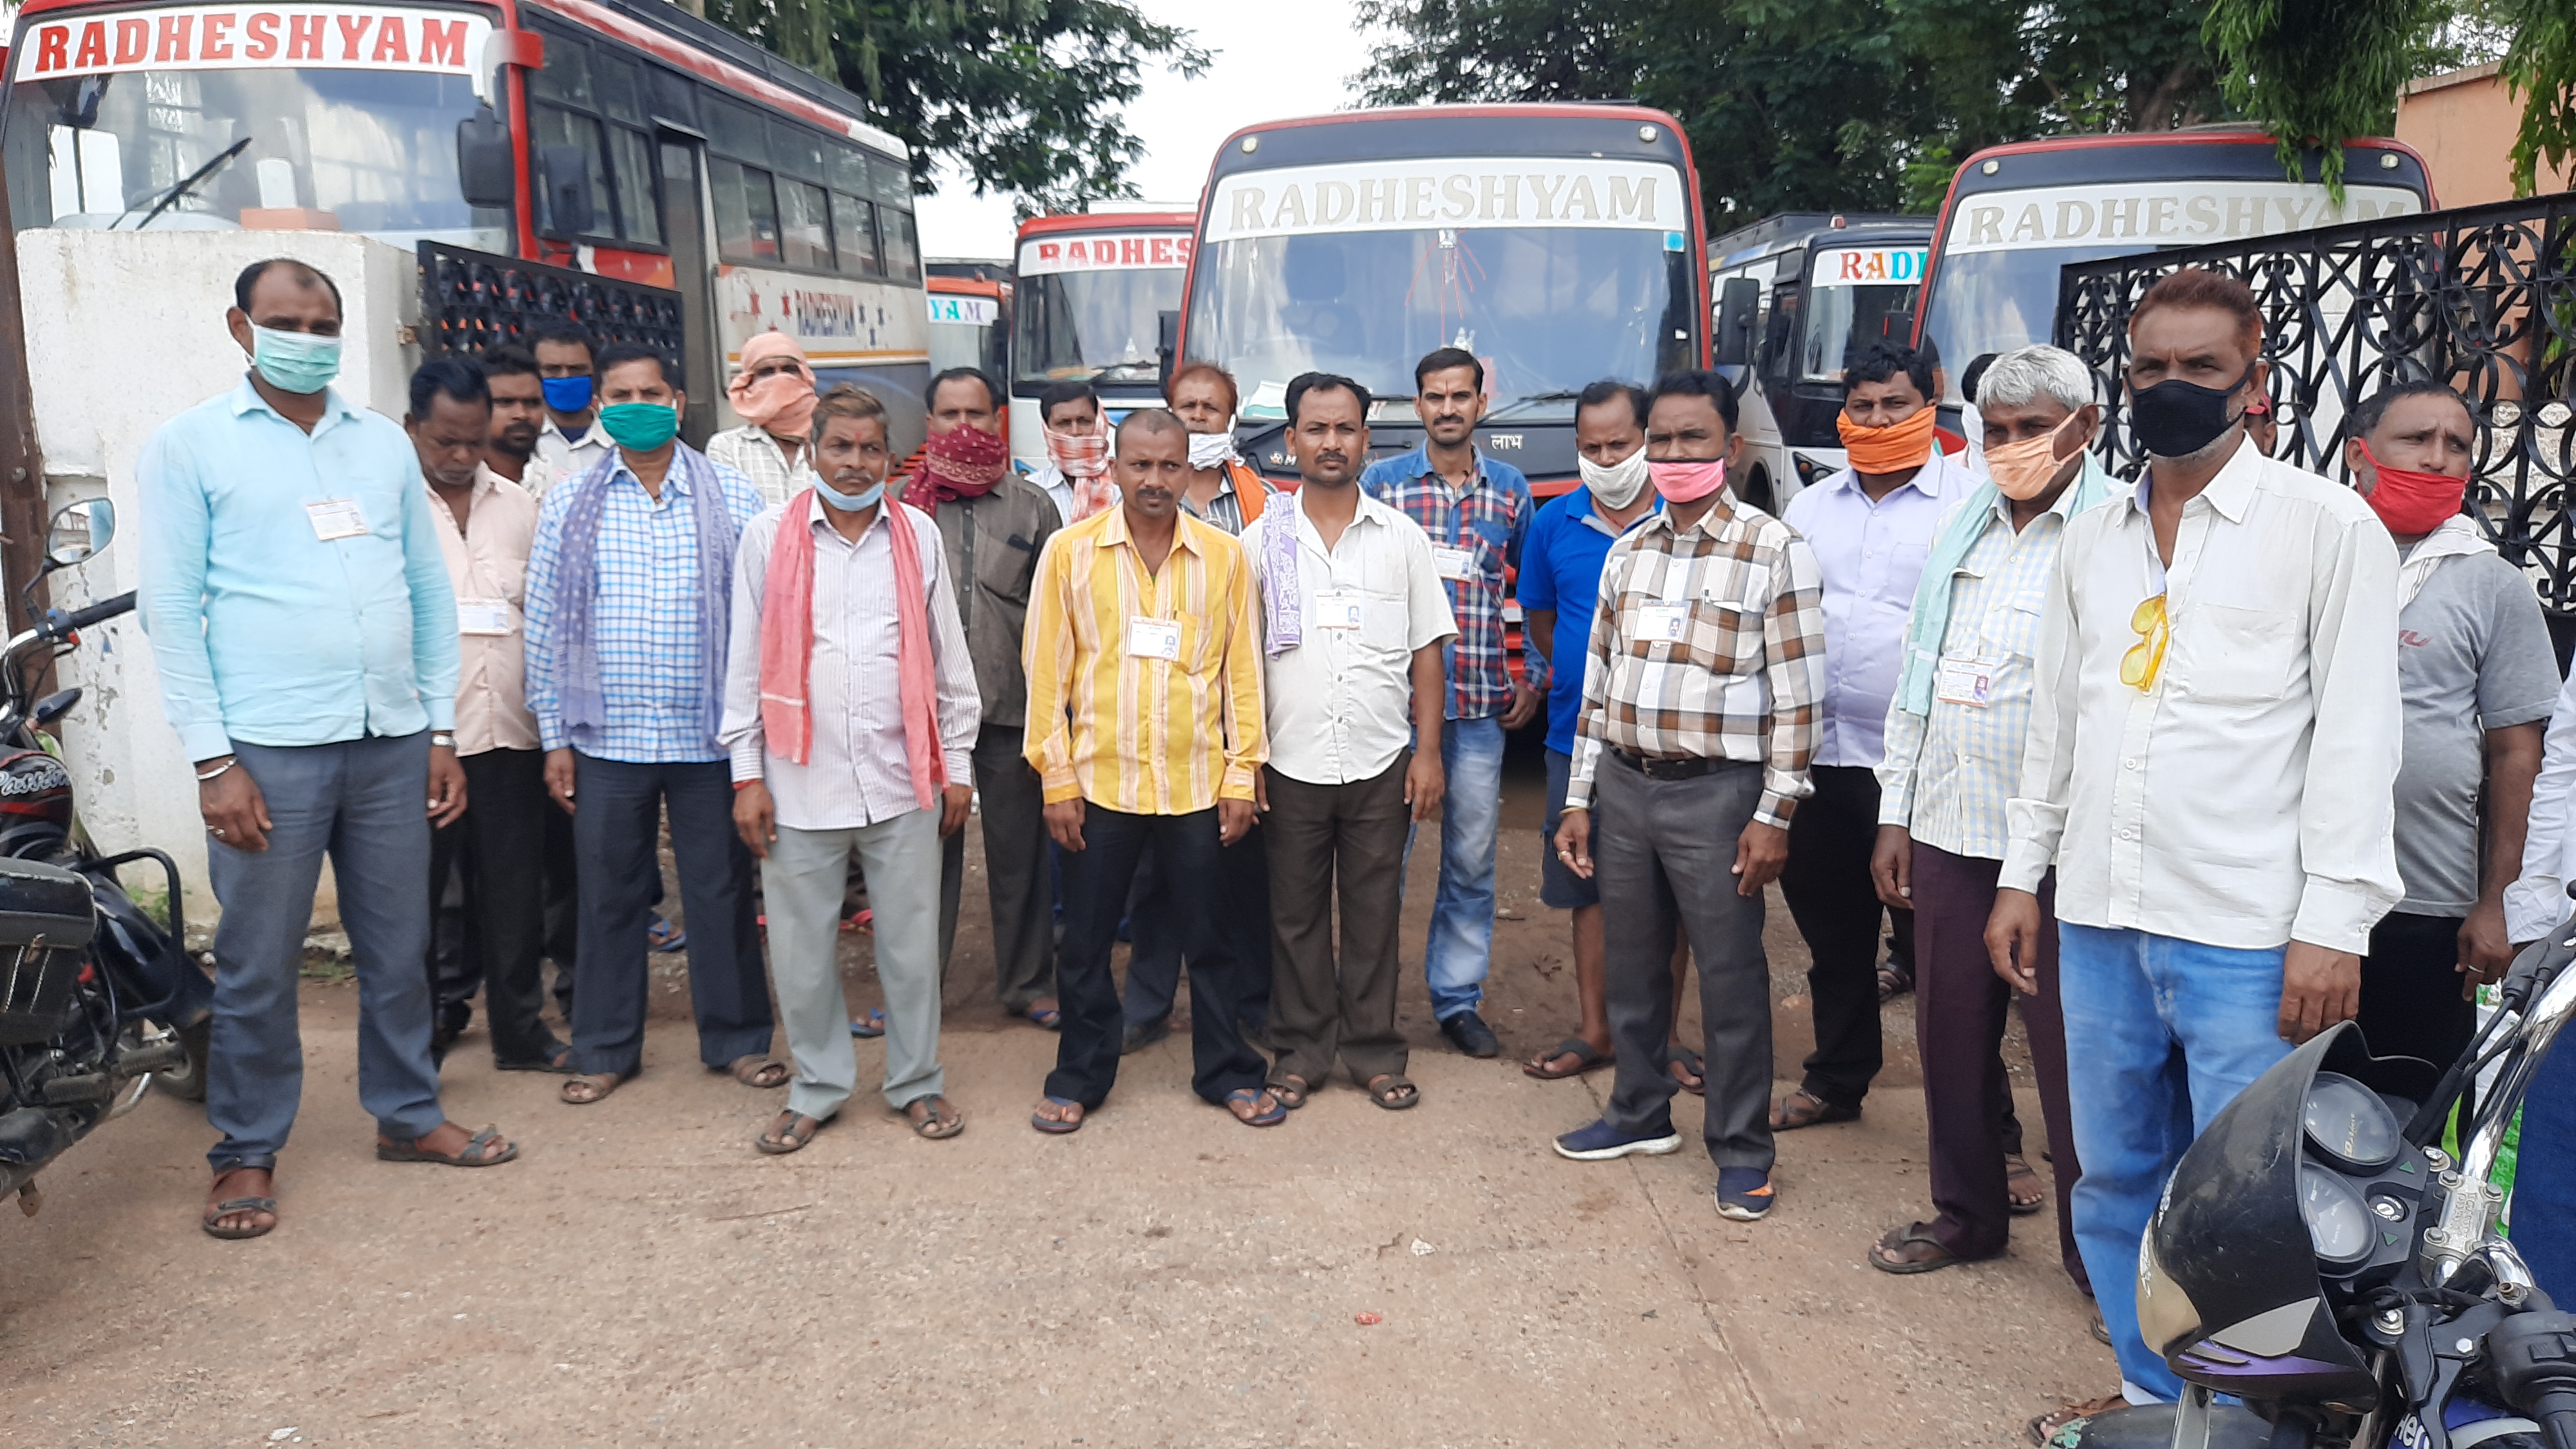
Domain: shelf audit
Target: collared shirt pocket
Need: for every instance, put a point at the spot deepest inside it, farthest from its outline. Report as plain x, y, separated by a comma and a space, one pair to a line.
2232, 655
1007, 571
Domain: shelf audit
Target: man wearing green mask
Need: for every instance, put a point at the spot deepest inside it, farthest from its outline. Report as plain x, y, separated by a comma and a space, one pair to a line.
305, 633
629, 604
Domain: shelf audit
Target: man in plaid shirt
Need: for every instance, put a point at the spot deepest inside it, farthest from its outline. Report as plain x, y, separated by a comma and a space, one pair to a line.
1700, 720
1476, 511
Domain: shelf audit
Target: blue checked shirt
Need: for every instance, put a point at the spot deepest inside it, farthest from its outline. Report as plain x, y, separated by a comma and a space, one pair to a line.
1945, 776
1488, 522
655, 686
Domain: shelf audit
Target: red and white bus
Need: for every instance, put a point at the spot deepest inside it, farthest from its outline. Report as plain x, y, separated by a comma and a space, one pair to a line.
1091, 291
621, 137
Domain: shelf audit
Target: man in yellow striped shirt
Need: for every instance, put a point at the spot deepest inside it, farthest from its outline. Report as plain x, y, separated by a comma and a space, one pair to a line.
1145, 723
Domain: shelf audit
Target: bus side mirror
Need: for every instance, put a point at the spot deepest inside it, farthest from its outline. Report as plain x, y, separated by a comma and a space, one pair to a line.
486, 171
1737, 302
563, 176
1167, 343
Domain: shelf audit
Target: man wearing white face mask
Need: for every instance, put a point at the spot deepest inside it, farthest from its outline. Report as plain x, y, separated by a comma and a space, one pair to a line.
1954, 737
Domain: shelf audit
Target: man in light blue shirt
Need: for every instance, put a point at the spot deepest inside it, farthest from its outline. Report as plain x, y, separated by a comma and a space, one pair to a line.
305, 634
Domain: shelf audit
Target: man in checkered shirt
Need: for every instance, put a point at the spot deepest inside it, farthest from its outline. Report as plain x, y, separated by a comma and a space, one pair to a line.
1700, 719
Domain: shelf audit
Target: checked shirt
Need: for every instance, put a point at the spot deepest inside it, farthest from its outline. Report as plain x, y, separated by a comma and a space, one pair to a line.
1488, 521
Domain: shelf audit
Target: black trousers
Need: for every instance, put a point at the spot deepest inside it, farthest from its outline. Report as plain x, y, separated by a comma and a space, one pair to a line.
563, 905
1154, 938
1017, 876
1096, 880
1838, 912
616, 835
498, 845
2411, 1004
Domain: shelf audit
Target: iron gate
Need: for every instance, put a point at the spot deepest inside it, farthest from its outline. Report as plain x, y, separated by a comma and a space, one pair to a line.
2483, 298
471, 300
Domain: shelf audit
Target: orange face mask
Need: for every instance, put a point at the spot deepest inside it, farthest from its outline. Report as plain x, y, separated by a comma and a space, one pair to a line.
1892, 449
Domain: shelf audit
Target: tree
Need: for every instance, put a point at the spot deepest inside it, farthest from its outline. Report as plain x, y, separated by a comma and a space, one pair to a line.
2321, 71
1022, 96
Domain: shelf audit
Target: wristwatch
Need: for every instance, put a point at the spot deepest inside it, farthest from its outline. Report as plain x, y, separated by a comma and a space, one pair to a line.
442, 739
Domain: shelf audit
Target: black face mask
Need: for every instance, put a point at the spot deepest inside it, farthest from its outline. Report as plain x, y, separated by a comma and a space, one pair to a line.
2175, 419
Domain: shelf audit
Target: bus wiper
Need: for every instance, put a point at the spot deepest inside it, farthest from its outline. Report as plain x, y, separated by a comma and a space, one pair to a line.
186, 185
1559, 395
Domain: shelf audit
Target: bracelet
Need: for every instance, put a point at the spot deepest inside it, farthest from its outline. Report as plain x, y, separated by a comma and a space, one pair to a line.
217, 771
745, 784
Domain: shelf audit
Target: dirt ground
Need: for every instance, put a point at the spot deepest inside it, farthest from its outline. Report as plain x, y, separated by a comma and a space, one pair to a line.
1165, 1277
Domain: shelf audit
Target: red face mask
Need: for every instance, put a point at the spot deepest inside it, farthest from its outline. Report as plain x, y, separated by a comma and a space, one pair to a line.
2412, 502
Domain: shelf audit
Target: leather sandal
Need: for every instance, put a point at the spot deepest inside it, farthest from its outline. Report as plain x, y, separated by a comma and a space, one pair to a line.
783, 1135
933, 1118
1803, 1108
477, 1152
753, 1069
583, 1089
1585, 1059
1887, 1254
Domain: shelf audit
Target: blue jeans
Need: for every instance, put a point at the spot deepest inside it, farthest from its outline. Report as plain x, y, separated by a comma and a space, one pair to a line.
2544, 1174
1460, 949
360, 801
2160, 1035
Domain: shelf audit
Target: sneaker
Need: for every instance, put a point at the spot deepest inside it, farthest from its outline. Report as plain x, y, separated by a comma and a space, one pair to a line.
1743, 1193
1601, 1142
1468, 1033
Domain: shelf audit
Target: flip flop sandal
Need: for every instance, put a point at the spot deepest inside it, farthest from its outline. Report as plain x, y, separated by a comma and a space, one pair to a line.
1896, 1239
2017, 1168
1393, 1091
1893, 982
787, 1138
1251, 1098
2045, 1428
1045, 1020
1057, 1127
870, 1026
475, 1154
664, 936
862, 920
584, 1089
1287, 1096
753, 1070
1786, 1117
560, 1063
1585, 1060
936, 1120
1689, 1061
231, 1205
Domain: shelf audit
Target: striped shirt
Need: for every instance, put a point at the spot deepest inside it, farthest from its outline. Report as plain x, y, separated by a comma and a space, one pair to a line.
1745, 679
1110, 724
752, 452
1485, 524
1225, 510
1945, 776
654, 683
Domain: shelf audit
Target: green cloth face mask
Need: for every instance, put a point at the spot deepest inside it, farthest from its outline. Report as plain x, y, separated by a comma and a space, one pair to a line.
640, 427
297, 362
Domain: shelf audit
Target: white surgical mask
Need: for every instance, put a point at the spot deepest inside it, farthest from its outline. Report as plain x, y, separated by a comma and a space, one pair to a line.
1616, 486
1213, 450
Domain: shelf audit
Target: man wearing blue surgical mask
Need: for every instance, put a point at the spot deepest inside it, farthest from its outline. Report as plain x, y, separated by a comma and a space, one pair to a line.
570, 440
306, 637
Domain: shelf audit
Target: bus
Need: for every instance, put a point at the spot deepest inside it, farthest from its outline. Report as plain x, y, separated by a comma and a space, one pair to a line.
1796, 295
623, 138
1093, 289
1558, 243
970, 317
2016, 214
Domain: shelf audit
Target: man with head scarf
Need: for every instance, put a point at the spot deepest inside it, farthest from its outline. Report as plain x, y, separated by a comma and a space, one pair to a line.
773, 394
1076, 472
994, 524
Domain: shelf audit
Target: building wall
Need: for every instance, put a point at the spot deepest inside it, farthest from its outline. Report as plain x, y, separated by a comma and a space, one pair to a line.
124, 330
2463, 124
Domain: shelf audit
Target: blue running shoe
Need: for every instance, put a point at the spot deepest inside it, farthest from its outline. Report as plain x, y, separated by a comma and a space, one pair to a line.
1743, 1193
1601, 1142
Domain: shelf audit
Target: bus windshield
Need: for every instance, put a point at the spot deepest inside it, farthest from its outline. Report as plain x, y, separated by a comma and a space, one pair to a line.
1547, 309
1094, 326
320, 149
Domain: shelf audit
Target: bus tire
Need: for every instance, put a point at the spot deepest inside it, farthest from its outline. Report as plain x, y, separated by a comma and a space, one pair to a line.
1757, 490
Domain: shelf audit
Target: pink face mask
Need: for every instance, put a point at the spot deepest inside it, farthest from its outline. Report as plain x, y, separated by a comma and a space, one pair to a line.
1688, 482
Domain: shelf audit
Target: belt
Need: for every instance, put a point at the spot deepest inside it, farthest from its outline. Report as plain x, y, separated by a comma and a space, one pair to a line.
1689, 768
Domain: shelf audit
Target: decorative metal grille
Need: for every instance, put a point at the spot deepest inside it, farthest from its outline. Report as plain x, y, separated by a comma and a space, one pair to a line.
471, 301
2483, 298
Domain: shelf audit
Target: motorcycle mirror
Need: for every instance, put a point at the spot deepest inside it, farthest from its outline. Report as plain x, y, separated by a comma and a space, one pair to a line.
78, 532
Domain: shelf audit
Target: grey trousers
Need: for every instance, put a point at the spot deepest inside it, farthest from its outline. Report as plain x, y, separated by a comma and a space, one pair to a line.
1328, 842
1017, 874
1663, 852
802, 881
359, 800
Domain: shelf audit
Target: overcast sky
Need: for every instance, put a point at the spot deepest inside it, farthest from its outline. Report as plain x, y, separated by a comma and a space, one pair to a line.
1288, 58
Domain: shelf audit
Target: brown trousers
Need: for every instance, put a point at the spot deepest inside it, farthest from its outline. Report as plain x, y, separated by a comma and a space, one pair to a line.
1326, 840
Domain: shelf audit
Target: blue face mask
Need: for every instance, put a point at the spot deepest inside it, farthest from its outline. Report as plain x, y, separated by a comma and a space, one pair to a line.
848, 502
566, 394
297, 362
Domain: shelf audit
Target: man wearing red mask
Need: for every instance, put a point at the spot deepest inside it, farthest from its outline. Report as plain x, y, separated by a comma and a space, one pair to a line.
993, 524
2477, 677
774, 396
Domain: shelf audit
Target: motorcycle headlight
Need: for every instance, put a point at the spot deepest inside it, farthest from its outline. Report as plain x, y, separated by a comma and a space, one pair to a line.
2349, 1126
2339, 1222
2166, 1314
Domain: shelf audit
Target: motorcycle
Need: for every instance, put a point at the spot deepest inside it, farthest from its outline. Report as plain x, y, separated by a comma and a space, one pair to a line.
2320, 1259
96, 997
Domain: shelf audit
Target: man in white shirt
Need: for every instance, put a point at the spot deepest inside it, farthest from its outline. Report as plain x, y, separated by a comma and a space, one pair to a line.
773, 394
2212, 755
850, 712
569, 441
1353, 616
1870, 526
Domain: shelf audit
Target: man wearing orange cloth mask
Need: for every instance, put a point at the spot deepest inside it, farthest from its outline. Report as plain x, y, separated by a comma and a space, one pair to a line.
1871, 526
774, 396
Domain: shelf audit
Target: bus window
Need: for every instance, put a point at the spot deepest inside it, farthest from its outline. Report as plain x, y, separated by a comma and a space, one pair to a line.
586, 98
854, 233
638, 218
804, 225
1844, 320
902, 245
746, 212
736, 131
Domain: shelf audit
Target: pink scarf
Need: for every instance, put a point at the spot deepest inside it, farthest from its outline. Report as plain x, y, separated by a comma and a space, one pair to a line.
787, 647
1083, 459
781, 404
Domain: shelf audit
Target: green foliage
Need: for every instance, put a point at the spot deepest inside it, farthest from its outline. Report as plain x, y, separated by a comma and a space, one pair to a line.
2540, 65
2320, 72
1021, 96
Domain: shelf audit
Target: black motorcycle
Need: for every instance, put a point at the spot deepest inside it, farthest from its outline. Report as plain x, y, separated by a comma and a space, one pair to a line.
96, 996
2320, 1259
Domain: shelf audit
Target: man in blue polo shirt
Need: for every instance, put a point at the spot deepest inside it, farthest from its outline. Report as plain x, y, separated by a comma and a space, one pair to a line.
1559, 583
1476, 511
